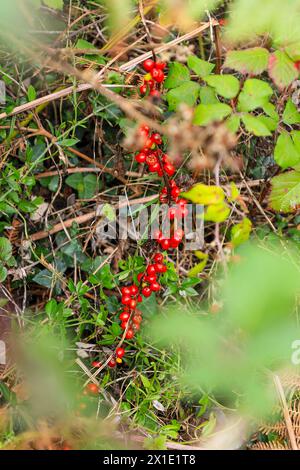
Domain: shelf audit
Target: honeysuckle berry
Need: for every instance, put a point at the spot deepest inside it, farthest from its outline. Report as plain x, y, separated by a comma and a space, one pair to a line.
92, 388
148, 65
112, 363
157, 75
96, 364
120, 352
146, 291
158, 257
124, 316
126, 299
134, 289
155, 286
129, 333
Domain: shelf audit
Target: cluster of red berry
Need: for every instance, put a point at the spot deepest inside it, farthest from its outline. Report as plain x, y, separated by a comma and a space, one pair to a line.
157, 161
154, 77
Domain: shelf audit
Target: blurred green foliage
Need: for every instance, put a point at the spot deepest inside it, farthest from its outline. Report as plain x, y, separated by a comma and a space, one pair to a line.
232, 354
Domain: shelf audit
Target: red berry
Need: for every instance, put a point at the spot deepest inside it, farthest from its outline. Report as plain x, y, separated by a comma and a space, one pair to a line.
140, 277
150, 278
174, 243
154, 93
165, 244
124, 325
148, 65
160, 65
155, 167
161, 268
92, 388
175, 192
140, 157
172, 212
124, 316
96, 364
157, 235
151, 269
143, 89
144, 130
149, 143
137, 319
146, 291
150, 83
112, 363
157, 75
169, 169
155, 287
178, 234
132, 304
126, 299
134, 289
129, 334
120, 352
157, 138
158, 257
125, 291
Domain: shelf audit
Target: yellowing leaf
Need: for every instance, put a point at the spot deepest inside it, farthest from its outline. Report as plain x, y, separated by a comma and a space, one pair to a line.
240, 232
198, 268
234, 192
217, 212
203, 194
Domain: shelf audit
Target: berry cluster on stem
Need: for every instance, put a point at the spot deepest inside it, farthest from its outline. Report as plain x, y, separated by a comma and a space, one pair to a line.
157, 162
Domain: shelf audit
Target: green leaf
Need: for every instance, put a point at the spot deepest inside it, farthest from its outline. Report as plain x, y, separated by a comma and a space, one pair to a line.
290, 114
56, 4
91, 186
27, 206
186, 93
225, 85
3, 273
199, 66
208, 95
207, 113
285, 192
67, 142
253, 61
5, 249
31, 93
270, 110
178, 74
285, 152
85, 185
83, 44
293, 51
255, 125
51, 308
282, 69
270, 123
255, 94
233, 123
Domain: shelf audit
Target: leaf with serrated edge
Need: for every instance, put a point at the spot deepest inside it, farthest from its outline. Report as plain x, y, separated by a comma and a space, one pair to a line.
254, 60
254, 125
225, 85
207, 113
285, 152
282, 69
285, 192
255, 94
199, 66
290, 113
